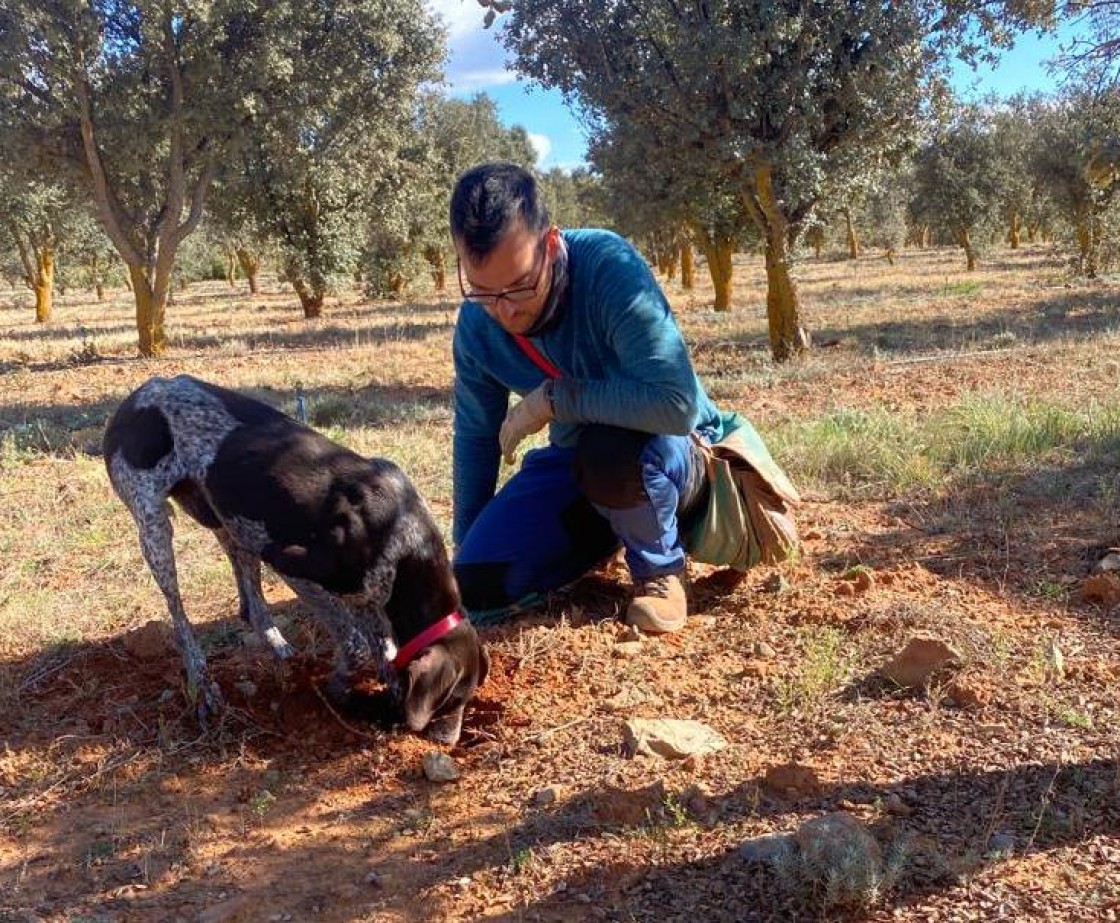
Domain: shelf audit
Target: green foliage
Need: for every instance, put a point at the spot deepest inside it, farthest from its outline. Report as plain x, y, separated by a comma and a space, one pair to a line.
343, 77
409, 237
1075, 162
957, 179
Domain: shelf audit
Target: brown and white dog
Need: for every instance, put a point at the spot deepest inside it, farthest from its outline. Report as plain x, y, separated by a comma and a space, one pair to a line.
350, 535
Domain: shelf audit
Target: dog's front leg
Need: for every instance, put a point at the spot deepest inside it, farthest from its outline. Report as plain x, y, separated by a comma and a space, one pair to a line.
154, 525
253, 608
353, 646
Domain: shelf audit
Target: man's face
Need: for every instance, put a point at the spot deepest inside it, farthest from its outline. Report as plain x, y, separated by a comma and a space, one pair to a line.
512, 281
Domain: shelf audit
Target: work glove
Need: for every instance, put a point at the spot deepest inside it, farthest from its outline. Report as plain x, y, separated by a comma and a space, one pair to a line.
529, 415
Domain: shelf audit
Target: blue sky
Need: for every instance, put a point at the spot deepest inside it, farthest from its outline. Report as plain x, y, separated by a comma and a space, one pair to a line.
478, 63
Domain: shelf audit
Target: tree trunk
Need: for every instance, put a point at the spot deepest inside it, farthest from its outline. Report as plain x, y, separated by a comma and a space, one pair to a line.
719, 265
99, 287
438, 263
1015, 231
310, 298
231, 268
44, 284
815, 238
251, 266
717, 254
688, 266
1088, 244
853, 239
151, 307
964, 238
670, 263
783, 305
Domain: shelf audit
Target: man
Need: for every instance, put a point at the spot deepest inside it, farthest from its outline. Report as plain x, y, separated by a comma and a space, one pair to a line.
576, 324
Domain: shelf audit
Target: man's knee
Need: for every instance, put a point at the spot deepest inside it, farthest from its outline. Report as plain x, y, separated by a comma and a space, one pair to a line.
608, 466
483, 586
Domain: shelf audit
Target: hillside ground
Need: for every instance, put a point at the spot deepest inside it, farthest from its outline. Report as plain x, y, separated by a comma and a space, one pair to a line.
957, 441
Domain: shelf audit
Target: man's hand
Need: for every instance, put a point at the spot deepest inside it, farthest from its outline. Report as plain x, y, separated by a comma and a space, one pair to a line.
530, 415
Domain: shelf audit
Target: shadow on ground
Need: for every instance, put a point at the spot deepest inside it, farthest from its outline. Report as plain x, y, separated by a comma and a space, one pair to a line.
64, 428
109, 794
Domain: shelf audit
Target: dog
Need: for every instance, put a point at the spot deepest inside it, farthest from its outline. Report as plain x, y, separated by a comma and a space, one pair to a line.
351, 536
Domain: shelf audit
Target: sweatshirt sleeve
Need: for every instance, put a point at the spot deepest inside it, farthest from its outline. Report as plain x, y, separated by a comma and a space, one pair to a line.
480, 404
657, 390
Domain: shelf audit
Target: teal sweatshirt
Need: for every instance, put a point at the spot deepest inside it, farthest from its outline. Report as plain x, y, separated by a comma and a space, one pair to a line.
622, 358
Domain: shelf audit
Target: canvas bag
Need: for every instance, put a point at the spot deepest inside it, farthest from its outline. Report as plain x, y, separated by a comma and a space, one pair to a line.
748, 519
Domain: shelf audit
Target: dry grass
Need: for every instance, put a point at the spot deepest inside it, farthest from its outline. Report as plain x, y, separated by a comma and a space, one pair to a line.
958, 441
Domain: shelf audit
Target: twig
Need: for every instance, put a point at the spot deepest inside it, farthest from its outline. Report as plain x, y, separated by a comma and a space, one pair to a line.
559, 727
948, 357
337, 717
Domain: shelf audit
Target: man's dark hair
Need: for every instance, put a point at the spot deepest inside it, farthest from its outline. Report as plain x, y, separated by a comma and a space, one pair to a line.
490, 199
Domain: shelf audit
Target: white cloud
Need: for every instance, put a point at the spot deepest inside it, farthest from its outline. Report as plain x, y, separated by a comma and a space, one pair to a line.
476, 59
542, 144
461, 16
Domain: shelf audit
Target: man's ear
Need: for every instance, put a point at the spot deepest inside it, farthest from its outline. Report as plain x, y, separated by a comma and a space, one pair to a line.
428, 681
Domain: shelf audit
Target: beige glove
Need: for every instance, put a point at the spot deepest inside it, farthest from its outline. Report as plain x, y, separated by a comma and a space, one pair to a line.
529, 415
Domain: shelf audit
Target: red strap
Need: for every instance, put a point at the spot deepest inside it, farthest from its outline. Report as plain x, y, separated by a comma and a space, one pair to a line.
427, 637
537, 356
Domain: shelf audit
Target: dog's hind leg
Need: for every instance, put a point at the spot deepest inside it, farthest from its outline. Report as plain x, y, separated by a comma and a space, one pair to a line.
253, 608
154, 523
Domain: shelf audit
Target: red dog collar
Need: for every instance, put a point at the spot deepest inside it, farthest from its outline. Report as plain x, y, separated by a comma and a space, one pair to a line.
428, 636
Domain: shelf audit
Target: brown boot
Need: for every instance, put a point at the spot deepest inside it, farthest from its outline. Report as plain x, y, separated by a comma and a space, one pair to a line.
659, 605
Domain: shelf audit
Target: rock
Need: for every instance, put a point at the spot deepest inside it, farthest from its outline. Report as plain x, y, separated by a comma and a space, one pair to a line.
756, 668
863, 582
837, 851
699, 805
545, 797
439, 767
791, 779
1001, 843
1102, 588
762, 649
151, 641
1110, 563
920, 661
630, 696
671, 738
628, 648
769, 848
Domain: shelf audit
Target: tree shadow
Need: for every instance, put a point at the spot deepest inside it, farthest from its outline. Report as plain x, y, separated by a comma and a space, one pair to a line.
1035, 534
62, 429
956, 825
107, 723
1075, 315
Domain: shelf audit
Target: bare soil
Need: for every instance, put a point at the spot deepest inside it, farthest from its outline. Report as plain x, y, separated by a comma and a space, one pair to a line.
994, 794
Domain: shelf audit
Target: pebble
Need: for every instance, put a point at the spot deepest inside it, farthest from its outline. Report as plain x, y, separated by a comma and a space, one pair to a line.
439, 767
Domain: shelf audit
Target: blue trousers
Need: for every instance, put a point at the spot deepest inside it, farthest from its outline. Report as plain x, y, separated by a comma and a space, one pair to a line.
567, 509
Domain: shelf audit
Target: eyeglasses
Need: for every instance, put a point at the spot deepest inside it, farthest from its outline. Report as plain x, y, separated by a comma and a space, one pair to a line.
519, 295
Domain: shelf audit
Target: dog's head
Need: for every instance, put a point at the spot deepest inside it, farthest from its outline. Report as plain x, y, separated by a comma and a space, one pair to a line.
439, 683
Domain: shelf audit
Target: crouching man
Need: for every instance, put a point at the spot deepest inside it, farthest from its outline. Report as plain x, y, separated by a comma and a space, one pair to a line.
575, 324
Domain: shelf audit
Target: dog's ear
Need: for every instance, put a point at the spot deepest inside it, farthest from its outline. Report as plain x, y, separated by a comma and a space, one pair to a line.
429, 680
483, 663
